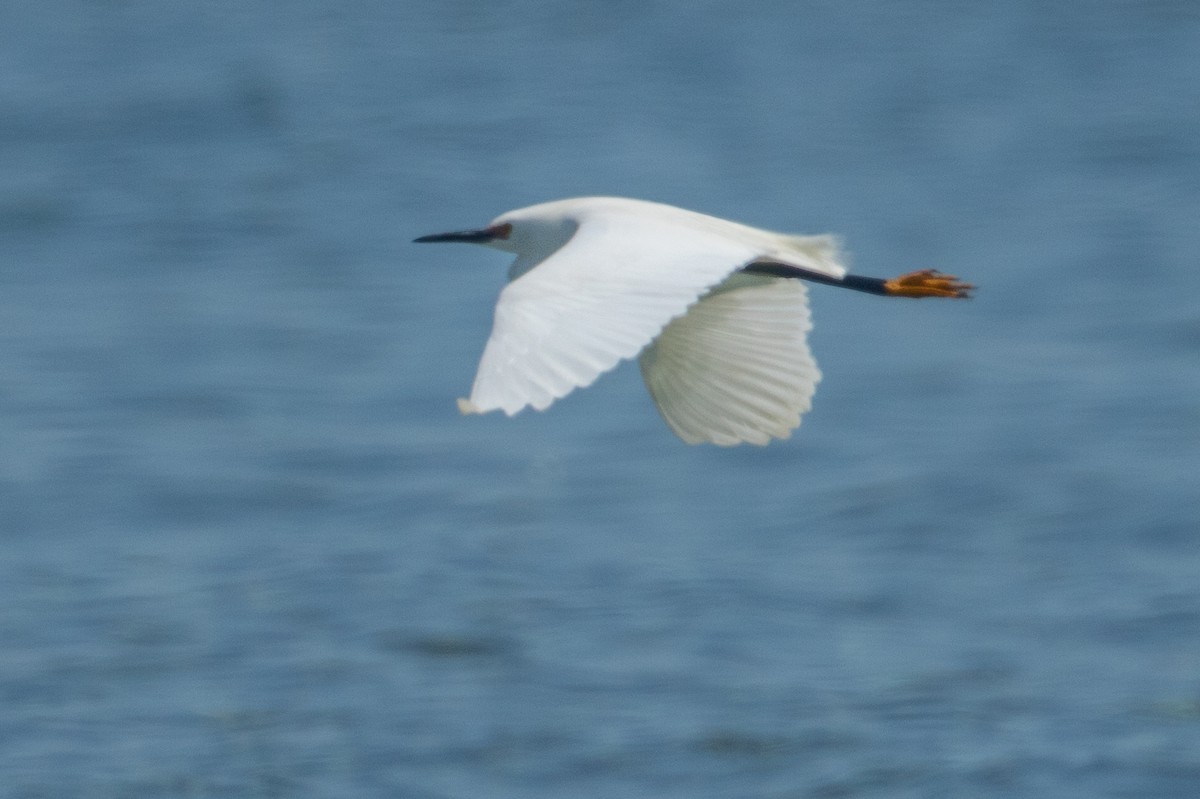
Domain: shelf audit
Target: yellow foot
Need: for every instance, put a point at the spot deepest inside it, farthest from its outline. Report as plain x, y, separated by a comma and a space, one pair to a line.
927, 283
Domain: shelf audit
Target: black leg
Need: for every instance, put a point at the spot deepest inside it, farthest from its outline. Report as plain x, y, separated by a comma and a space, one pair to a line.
871, 285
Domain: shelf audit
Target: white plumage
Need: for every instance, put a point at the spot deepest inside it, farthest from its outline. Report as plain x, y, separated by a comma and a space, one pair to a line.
600, 280
736, 367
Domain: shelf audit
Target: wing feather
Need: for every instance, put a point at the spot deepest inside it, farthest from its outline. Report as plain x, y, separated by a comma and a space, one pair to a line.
736, 367
600, 299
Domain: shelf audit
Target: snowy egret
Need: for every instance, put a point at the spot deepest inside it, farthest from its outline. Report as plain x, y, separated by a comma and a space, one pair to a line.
713, 309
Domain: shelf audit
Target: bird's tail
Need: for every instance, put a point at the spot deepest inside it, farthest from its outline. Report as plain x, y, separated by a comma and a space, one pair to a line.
822, 254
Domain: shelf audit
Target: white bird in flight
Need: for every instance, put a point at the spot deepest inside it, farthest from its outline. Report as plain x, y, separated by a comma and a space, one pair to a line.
715, 311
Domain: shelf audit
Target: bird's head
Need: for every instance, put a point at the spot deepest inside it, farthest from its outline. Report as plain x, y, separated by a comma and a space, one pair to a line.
528, 232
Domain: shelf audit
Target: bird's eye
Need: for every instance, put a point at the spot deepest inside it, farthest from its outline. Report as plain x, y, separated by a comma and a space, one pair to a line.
500, 231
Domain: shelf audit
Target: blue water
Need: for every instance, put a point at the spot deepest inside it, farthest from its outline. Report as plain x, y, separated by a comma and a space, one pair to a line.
248, 547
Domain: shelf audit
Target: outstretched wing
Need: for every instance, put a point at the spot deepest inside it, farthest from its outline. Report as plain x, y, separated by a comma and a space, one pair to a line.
598, 300
736, 367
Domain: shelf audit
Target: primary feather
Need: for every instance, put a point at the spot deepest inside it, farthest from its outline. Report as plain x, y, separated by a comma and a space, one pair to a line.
736, 367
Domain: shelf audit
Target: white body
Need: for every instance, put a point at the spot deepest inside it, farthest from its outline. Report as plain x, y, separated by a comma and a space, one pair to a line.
599, 280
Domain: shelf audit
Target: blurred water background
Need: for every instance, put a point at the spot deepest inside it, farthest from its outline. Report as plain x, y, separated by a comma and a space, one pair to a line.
248, 547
